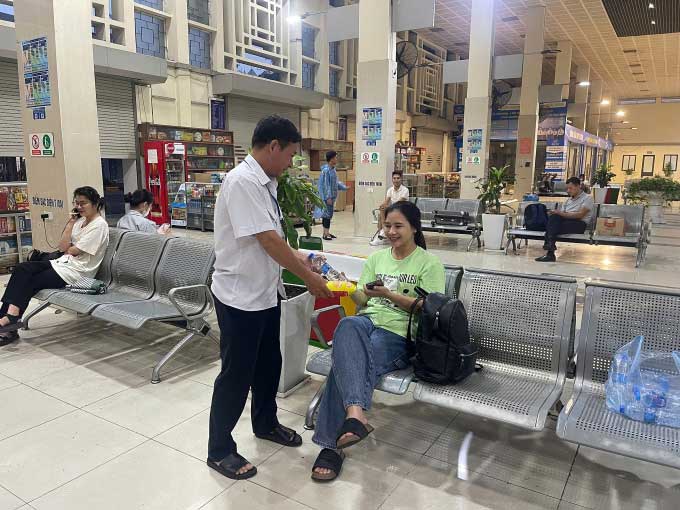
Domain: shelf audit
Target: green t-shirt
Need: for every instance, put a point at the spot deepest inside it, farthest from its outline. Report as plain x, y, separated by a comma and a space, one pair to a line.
420, 269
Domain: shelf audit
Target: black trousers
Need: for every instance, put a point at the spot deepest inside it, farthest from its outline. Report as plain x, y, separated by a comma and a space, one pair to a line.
557, 225
251, 360
326, 222
26, 280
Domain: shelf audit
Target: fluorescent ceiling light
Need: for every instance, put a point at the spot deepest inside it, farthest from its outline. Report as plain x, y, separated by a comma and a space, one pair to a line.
295, 18
653, 22
651, 5
584, 83
620, 113
605, 102
634, 128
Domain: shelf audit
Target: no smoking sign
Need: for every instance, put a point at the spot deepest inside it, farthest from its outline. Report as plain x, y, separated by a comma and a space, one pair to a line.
42, 144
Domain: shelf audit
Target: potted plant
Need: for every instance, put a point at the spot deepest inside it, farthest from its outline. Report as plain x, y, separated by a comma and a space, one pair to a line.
297, 198
655, 192
602, 193
493, 222
668, 170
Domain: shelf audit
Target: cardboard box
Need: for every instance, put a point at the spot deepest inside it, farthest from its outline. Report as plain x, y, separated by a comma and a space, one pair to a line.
610, 226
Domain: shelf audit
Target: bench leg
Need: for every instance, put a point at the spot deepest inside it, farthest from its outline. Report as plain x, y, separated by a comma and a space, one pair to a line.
313, 406
155, 375
33, 313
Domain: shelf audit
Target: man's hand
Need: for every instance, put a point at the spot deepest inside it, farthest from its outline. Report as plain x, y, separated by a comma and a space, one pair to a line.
329, 201
555, 212
316, 285
304, 258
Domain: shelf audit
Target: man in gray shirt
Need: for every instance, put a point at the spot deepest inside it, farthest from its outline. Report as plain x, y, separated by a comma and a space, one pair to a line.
573, 217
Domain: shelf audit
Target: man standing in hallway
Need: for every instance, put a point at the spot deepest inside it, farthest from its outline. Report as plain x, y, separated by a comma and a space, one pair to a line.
250, 249
573, 217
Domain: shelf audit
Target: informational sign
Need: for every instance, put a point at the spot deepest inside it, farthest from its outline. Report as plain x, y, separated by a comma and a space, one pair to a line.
370, 158
42, 144
36, 74
525, 146
371, 124
474, 145
152, 156
39, 113
218, 114
175, 148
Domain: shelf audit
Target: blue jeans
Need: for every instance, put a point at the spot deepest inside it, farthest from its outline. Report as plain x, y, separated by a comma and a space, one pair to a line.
362, 353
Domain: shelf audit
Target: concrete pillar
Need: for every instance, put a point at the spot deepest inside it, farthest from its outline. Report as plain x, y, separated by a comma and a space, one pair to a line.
580, 106
376, 88
527, 125
71, 115
595, 107
563, 67
177, 36
477, 122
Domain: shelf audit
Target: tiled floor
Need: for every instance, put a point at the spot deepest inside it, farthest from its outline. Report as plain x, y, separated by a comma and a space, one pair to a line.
82, 428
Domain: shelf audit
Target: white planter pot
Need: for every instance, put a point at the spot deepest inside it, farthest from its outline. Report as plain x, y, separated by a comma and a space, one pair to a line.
599, 195
655, 204
494, 231
296, 316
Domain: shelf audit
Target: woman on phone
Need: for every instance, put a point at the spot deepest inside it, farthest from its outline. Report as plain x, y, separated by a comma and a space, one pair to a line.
83, 244
373, 343
140, 206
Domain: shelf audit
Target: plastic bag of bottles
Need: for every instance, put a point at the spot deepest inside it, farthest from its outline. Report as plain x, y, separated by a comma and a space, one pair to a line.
320, 265
645, 386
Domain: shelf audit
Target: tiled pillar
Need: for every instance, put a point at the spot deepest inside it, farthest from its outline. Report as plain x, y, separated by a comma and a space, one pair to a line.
478, 101
71, 116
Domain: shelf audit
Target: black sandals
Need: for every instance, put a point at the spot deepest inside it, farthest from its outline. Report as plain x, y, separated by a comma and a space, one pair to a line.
355, 428
328, 459
230, 465
283, 436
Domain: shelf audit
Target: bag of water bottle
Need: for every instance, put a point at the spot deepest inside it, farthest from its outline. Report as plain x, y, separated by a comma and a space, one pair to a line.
645, 386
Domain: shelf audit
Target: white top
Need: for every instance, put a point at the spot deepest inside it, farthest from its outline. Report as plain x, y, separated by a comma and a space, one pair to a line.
134, 220
92, 241
581, 201
397, 195
246, 277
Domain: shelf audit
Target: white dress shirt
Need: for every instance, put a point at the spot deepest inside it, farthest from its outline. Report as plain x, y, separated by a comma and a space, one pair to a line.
245, 276
395, 196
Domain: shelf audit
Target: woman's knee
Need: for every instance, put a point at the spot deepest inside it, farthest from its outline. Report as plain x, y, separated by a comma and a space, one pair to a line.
351, 325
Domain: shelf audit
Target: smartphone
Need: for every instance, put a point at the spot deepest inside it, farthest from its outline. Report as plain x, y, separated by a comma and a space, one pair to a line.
74, 212
372, 285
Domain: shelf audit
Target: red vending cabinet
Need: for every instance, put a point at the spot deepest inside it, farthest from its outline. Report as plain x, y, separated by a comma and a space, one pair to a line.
166, 173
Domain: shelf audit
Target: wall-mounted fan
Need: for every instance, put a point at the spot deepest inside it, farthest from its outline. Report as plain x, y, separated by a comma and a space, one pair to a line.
502, 93
407, 58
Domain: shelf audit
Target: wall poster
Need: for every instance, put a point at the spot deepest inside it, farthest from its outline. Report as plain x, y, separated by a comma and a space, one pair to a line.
371, 124
36, 72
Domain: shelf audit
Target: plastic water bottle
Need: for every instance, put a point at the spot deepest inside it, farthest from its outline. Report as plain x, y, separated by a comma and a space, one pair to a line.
321, 266
620, 368
668, 417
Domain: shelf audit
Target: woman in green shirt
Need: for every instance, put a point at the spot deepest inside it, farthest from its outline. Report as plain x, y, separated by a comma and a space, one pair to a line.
373, 343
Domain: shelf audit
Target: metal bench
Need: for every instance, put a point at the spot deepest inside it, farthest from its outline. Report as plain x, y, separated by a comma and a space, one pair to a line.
182, 296
429, 206
613, 315
396, 382
636, 232
523, 326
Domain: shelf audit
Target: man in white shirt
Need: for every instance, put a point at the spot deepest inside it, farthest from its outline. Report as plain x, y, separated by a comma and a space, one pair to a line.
397, 193
250, 250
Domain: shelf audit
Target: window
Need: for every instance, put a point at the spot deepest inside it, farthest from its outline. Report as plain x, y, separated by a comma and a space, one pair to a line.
198, 11
308, 41
260, 72
648, 165
672, 160
308, 75
199, 48
628, 163
6, 13
150, 35
154, 4
334, 53
334, 83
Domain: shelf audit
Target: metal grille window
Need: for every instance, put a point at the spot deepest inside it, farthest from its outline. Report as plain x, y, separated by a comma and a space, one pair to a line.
308, 75
154, 4
199, 11
334, 83
334, 53
199, 48
150, 35
308, 41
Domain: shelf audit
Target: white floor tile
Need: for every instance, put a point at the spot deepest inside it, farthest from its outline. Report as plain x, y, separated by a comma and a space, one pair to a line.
150, 477
248, 495
6, 382
45, 457
191, 437
24, 408
370, 472
33, 364
9, 501
433, 485
154, 408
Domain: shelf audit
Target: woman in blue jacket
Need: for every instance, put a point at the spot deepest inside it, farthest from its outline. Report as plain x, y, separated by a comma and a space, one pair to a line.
328, 191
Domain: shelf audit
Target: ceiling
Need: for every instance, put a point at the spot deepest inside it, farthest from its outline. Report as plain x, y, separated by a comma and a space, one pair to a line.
639, 66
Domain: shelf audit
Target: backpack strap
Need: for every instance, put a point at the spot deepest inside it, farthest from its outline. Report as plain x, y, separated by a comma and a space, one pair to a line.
410, 317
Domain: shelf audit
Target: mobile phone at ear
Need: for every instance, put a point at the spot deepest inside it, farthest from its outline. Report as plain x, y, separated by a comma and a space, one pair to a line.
372, 285
74, 212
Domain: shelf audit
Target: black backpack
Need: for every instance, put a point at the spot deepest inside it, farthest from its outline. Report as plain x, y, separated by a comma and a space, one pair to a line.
444, 353
536, 217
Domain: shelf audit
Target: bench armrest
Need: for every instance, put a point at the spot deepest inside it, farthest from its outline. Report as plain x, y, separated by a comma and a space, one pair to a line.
208, 296
315, 321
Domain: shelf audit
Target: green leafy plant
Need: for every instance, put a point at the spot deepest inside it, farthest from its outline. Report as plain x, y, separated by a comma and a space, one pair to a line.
667, 189
603, 175
492, 188
668, 170
297, 198
629, 171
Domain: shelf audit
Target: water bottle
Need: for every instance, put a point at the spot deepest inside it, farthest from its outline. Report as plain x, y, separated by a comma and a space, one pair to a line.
669, 417
620, 368
319, 265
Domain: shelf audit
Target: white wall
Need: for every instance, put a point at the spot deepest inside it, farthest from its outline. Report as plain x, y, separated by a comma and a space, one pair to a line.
640, 151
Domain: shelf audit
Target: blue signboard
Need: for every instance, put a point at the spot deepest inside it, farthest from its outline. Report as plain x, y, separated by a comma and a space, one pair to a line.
218, 114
